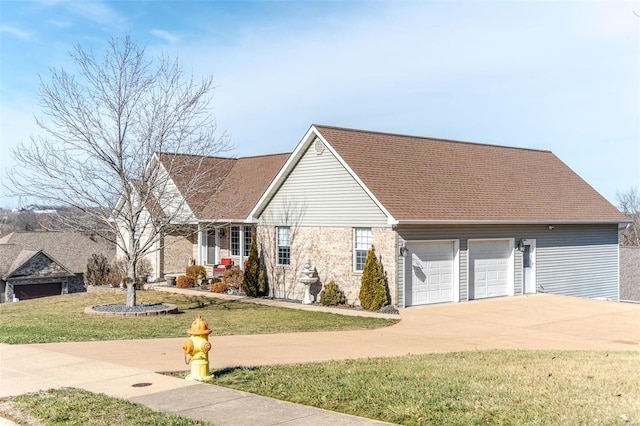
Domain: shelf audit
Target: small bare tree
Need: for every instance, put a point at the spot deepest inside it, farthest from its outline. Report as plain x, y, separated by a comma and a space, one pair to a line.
282, 279
629, 204
128, 143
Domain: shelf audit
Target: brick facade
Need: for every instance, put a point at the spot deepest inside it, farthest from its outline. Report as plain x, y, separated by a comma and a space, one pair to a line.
178, 250
330, 252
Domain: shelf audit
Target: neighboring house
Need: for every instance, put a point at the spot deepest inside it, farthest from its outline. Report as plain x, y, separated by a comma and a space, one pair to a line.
451, 221
38, 264
630, 273
215, 216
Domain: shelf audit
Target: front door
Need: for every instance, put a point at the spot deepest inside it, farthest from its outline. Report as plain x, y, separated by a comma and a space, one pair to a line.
529, 266
213, 247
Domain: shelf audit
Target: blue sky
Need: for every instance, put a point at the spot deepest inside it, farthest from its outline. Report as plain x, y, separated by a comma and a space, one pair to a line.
562, 76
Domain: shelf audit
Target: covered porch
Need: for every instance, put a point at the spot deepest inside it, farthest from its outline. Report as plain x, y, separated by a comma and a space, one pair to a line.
226, 243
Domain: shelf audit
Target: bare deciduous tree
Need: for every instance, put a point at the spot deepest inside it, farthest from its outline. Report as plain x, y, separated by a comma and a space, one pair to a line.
282, 279
114, 134
629, 204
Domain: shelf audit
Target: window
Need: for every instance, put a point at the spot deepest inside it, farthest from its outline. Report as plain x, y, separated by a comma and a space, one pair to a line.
235, 241
361, 245
283, 244
247, 240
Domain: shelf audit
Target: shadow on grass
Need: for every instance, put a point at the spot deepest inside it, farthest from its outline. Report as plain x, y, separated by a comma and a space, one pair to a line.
230, 370
217, 373
199, 302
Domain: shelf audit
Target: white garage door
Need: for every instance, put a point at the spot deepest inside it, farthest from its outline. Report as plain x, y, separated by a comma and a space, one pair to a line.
431, 266
489, 269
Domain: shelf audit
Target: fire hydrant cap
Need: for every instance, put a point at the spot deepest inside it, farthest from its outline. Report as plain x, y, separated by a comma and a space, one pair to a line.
199, 327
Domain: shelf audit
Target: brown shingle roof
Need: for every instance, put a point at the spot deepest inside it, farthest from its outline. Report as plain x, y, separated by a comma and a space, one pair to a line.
425, 179
231, 186
70, 249
197, 177
243, 186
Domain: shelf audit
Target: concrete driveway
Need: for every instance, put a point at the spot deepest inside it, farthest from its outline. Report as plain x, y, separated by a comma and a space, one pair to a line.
126, 369
524, 322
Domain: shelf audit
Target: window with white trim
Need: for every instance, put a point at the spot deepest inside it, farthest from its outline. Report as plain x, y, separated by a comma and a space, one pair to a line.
361, 244
247, 240
235, 241
283, 238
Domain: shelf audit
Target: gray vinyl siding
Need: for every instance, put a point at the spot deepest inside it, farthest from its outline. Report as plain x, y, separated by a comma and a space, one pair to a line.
319, 191
573, 260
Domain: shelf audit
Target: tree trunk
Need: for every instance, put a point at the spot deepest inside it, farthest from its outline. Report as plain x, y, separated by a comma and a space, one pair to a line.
131, 284
131, 293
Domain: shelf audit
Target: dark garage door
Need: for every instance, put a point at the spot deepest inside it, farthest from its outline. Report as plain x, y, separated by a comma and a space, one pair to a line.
33, 291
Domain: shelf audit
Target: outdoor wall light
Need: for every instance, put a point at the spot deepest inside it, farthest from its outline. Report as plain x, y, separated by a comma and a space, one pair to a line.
551, 227
403, 250
520, 246
221, 230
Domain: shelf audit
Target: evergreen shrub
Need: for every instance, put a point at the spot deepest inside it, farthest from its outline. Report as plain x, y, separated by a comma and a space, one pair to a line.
254, 282
331, 295
373, 289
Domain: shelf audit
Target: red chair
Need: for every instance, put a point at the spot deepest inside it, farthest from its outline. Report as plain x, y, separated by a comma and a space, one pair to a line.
225, 263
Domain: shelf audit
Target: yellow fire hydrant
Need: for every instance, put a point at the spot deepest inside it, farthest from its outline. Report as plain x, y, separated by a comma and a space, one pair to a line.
197, 351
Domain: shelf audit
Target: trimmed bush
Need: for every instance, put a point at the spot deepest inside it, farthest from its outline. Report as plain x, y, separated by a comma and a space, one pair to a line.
373, 289
331, 295
254, 283
219, 287
233, 278
98, 270
185, 282
197, 272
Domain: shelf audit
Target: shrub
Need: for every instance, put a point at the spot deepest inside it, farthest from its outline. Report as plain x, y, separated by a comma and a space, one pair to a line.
117, 273
215, 280
98, 270
184, 282
373, 289
197, 272
233, 278
143, 268
254, 282
331, 295
219, 287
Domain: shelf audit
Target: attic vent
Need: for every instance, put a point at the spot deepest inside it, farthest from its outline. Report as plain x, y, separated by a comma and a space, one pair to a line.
319, 146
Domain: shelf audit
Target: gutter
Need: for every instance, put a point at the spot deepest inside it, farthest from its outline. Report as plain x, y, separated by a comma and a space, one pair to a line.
512, 222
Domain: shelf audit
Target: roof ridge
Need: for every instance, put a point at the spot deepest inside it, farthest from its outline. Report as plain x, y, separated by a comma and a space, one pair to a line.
264, 155
430, 138
224, 158
196, 155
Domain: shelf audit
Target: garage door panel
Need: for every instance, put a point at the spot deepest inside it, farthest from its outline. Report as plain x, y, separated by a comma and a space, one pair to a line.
489, 268
432, 277
34, 291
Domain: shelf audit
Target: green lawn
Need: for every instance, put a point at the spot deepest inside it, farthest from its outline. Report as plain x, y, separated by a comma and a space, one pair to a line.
76, 407
468, 388
61, 319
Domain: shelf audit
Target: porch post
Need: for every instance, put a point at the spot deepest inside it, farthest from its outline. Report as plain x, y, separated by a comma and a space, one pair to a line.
217, 248
200, 245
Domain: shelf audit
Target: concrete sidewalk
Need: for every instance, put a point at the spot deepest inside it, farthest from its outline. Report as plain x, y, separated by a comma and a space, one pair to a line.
28, 368
114, 367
